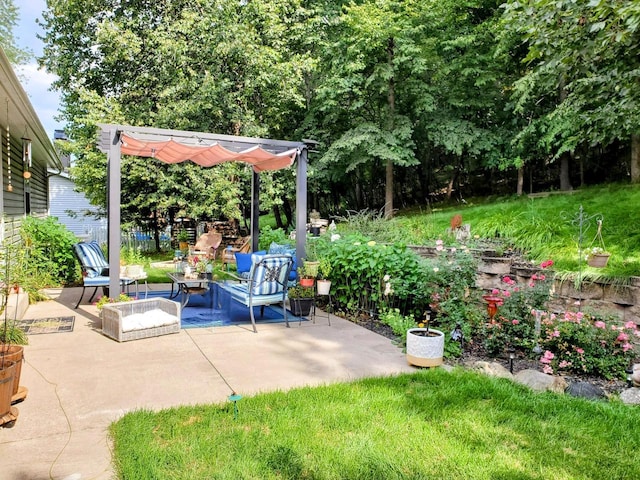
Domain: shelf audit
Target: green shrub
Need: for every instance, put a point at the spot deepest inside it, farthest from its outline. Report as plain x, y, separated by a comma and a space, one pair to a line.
399, 323
269, 235
46, 258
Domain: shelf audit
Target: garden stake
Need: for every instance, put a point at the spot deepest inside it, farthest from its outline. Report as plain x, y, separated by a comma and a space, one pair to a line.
234, 397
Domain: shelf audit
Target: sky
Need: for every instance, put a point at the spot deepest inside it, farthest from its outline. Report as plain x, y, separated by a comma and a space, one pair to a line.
36, 82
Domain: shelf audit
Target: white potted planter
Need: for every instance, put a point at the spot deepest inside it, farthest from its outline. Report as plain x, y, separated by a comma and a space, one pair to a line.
323, 287
425, 350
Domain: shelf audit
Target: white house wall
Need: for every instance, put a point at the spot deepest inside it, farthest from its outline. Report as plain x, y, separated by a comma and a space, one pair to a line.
70, 207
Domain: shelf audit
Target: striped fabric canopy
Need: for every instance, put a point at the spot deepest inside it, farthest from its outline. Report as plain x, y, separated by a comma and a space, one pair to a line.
172, 151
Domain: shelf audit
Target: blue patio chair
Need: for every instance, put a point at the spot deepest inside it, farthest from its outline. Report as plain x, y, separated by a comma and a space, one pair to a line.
95, 269
267, 284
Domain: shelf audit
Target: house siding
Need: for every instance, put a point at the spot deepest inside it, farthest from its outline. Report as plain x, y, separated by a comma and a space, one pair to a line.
71, 207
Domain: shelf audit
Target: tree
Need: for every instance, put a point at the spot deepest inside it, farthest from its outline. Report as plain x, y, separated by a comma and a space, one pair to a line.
583, 59
8, 21
204, 65
369, 57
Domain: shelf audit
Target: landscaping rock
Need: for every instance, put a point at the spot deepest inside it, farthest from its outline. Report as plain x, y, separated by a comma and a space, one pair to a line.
492, 369
635, 378
540, 382
630, 396
585, 390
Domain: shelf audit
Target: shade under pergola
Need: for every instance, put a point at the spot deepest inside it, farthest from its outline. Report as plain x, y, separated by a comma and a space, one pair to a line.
207, 150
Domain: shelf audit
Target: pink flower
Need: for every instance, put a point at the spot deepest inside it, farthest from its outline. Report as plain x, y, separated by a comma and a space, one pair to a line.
548, 355
600, 324
495, 291
564, 364
532, 284
622, 337
515, 321
553, 316
439, 248
506, 293
541, 278
579, 315
546, 264
547, 369
556, 333
439, 242
626, 347
631, 325
579, 350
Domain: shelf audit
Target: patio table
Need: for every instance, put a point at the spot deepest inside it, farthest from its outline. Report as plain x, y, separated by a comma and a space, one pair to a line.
187, 286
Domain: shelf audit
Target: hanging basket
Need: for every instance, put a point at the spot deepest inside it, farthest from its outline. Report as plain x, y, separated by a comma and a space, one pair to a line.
598, 260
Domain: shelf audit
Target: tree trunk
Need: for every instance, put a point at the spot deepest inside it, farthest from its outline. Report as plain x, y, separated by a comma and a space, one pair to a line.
565, 181
276, 214
288, 213
635, 158
520, 181
391, 99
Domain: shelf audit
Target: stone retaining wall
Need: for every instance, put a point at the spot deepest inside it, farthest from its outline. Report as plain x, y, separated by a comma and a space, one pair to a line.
620, 300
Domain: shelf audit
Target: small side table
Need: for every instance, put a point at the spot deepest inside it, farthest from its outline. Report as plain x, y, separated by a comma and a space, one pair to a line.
136, 279
329, 307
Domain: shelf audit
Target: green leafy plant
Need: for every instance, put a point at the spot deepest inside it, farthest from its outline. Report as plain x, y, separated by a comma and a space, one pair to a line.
183, 235
324, 268
398, 323
301, 292
123, 297
132, 255
45, 256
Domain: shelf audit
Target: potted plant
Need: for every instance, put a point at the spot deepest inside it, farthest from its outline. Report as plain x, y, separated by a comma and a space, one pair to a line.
598, 257
324, 270
301, 300
183, 240
134, 262
307, 275
12, 340
425, 346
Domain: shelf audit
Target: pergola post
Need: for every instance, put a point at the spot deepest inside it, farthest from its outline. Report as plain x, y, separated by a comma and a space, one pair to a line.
301, 205
255, 210
113, 212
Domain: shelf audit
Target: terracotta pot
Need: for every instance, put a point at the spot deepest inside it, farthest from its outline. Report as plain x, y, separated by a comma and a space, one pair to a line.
598, 260
307, 282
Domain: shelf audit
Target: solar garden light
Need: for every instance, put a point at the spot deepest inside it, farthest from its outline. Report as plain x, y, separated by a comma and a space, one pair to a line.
234, 397
512, 356
629, 372
457, 335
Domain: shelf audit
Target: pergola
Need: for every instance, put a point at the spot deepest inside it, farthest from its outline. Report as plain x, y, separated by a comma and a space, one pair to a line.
207, 150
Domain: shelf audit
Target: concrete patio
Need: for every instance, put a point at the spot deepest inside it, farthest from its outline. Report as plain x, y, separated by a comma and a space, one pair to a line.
80, 382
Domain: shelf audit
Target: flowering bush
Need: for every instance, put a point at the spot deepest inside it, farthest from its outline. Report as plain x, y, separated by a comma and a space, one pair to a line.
578, 343
450, 278
514, 325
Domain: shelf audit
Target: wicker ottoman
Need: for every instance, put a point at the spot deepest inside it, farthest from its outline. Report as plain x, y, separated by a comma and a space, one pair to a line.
140, 319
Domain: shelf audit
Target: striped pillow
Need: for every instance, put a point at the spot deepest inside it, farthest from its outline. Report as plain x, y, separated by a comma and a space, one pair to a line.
91, 258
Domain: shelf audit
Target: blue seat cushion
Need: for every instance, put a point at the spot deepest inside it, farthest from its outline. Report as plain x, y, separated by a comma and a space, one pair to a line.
243, 261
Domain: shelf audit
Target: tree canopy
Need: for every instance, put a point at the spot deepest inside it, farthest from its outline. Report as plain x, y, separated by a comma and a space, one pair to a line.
410, 100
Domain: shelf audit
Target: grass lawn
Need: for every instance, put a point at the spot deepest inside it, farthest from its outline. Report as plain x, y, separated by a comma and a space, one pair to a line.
432, 424
542, 228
